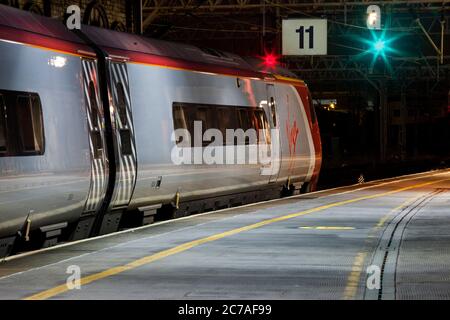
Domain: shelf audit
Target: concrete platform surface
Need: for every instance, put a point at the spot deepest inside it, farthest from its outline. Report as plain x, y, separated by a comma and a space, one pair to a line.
387, 239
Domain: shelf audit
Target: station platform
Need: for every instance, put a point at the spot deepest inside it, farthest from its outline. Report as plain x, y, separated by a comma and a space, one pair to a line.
387, 239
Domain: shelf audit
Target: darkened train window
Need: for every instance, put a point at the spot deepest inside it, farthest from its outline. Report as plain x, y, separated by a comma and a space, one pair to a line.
121, 103
179, 120
97, 144
273, 110
125, 139
226, 119
263, 126
21, 124
94, 105
222, 118
245, 121
95, 133
29, 117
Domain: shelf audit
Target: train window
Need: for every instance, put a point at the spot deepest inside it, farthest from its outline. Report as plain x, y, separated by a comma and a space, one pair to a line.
96, 137
273, 111
222, 118
121, 103
29, 124
125, 139
94, 105
24, 116
37, 121
97, 144
226, 119
2, 125
246, 122
21, 124
205, 114
202, 116
262, 126
244, 119
179, 121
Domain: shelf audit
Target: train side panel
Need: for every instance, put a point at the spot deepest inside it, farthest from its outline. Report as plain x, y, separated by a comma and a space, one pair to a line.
153, 92
52, 187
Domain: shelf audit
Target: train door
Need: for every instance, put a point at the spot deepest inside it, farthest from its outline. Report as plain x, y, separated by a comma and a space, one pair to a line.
123, 131
275, 150
97, 143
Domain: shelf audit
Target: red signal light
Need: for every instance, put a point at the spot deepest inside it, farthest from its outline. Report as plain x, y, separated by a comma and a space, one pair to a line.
270, 60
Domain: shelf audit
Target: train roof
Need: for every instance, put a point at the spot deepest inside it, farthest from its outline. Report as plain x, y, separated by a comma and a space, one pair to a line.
51, 33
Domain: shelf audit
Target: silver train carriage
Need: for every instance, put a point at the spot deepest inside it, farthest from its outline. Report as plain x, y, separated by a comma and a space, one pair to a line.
87, 121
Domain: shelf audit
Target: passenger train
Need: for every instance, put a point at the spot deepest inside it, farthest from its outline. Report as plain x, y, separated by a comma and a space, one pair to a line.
86, 130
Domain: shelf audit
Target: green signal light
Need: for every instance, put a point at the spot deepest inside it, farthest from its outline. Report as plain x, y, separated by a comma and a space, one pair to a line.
379, 45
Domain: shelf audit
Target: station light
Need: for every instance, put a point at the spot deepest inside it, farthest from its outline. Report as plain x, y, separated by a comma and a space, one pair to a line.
329, 106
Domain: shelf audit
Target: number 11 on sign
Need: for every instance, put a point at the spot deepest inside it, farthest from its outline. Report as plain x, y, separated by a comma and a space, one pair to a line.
302, 32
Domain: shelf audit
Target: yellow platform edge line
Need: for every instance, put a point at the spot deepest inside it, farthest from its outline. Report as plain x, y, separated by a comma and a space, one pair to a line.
49, 293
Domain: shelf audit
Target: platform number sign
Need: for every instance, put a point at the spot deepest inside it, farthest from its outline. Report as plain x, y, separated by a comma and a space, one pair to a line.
304, 37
